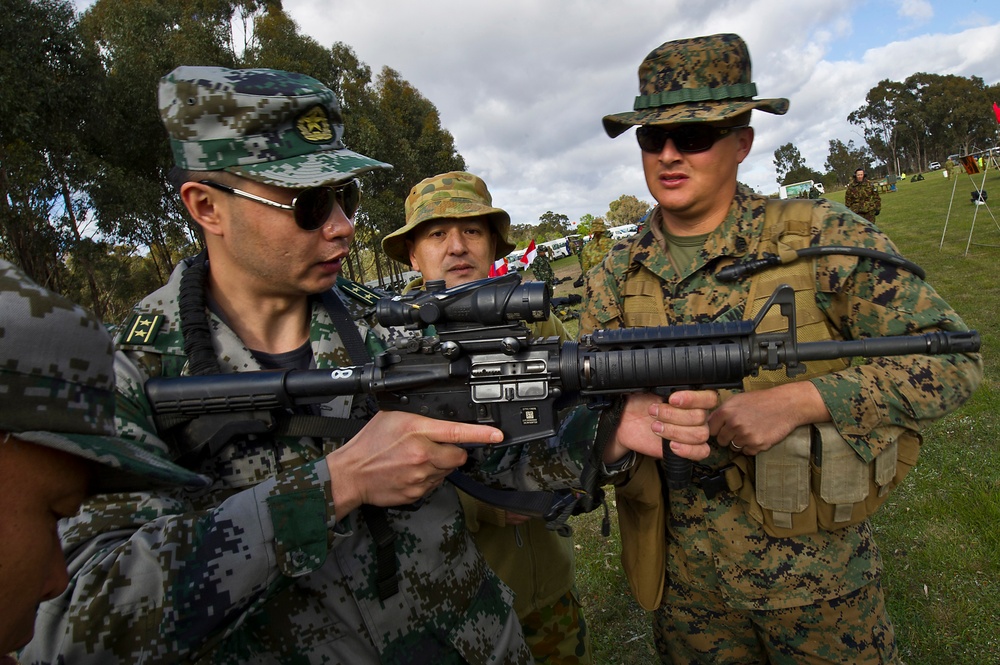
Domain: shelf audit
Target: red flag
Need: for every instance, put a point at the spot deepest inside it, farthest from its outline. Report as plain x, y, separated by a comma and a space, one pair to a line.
499, 267
529, 254
996, 111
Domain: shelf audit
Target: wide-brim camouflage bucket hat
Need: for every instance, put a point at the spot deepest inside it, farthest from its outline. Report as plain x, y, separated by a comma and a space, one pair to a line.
275, 127
453, 195
703, 79
57, 387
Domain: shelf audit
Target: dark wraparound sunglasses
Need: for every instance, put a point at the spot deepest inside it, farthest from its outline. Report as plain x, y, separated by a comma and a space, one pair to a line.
686, 138
312, 207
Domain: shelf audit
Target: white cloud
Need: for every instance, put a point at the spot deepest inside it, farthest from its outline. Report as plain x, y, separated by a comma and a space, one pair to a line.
918, 11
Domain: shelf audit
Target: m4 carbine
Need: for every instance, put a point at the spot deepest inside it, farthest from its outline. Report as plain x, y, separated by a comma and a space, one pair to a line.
481, 365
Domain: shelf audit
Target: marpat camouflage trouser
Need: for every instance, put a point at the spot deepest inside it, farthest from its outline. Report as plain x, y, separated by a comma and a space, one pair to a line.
695, 627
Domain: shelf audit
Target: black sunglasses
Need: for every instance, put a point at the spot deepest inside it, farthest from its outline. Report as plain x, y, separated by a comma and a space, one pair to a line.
687, 138
312, 207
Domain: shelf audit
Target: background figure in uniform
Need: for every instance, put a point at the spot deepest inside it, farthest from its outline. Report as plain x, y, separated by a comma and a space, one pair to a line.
57, 441
779, 572
541, 269
597, 248
306, 547
862, 198
453, 232
576, 247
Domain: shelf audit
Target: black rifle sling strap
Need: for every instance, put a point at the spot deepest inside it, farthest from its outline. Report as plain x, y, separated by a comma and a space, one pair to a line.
376, 517
533, 504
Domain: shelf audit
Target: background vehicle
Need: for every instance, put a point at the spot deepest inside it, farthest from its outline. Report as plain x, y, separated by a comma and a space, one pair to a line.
514, 260
559, 248
934, 166
623, 231
800, 190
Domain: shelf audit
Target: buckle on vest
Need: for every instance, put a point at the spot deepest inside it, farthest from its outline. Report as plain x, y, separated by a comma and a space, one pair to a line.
711, 481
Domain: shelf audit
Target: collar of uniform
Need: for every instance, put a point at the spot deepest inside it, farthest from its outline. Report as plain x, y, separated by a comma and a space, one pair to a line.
735, 235
732, 238
650, 251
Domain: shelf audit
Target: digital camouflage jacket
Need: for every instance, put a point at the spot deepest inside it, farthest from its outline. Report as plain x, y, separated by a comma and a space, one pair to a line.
541, 269
256, 568
714, 544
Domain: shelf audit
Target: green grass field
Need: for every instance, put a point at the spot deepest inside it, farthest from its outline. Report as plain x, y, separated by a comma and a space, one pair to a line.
939, 533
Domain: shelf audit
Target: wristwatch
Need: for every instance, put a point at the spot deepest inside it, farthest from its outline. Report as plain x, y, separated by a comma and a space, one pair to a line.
621, 465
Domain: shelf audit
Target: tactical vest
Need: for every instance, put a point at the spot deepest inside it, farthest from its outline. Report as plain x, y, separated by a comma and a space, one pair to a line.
813, 479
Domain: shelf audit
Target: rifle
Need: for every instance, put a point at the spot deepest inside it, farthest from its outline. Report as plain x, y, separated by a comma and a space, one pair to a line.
481, 365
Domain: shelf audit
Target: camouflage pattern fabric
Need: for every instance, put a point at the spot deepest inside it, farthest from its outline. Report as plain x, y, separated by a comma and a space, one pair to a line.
576, 247
702, 79
715, 548
862, 198
256, 568
595, 251
275, 127
57, 382
694, 634
541, 269
452, 195
559, 631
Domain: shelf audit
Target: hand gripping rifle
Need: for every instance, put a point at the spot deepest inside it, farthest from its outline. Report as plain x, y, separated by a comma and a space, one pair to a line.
481, 365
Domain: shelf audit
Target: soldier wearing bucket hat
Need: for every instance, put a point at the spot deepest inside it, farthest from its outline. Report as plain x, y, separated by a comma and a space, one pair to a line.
297, 551
598, 246
755, 563
450, 197
453, 232
58, 443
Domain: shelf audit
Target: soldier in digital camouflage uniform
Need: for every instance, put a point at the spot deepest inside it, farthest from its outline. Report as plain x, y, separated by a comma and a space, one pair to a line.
304, 549
58, 443
576, 248
597, 248
862, 198
453, 232
734, 593
541, 270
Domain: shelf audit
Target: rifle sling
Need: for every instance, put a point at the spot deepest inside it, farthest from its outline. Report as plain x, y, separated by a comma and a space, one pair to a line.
533, 504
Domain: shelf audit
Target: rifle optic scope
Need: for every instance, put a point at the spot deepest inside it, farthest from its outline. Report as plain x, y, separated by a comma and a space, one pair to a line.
488, 302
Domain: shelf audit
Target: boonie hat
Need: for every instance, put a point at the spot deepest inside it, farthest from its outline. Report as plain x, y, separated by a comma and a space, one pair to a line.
57, 387
703, 79
275, 127
453, 195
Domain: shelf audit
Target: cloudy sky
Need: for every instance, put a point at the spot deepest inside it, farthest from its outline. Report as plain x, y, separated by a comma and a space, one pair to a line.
522, 84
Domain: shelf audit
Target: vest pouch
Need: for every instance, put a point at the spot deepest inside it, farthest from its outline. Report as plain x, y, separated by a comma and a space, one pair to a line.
842, 478
642, 300
850, 490
782, 483
885, 477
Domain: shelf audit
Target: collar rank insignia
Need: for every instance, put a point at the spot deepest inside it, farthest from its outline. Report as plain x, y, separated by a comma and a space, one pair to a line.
141, 328
358, 291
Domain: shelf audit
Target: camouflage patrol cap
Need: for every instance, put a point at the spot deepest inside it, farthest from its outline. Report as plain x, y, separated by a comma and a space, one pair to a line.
57, 386
275, 127
703, 79
452, 195
598, 226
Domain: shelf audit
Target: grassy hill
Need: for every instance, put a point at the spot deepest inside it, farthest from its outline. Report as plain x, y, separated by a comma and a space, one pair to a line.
939, 533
